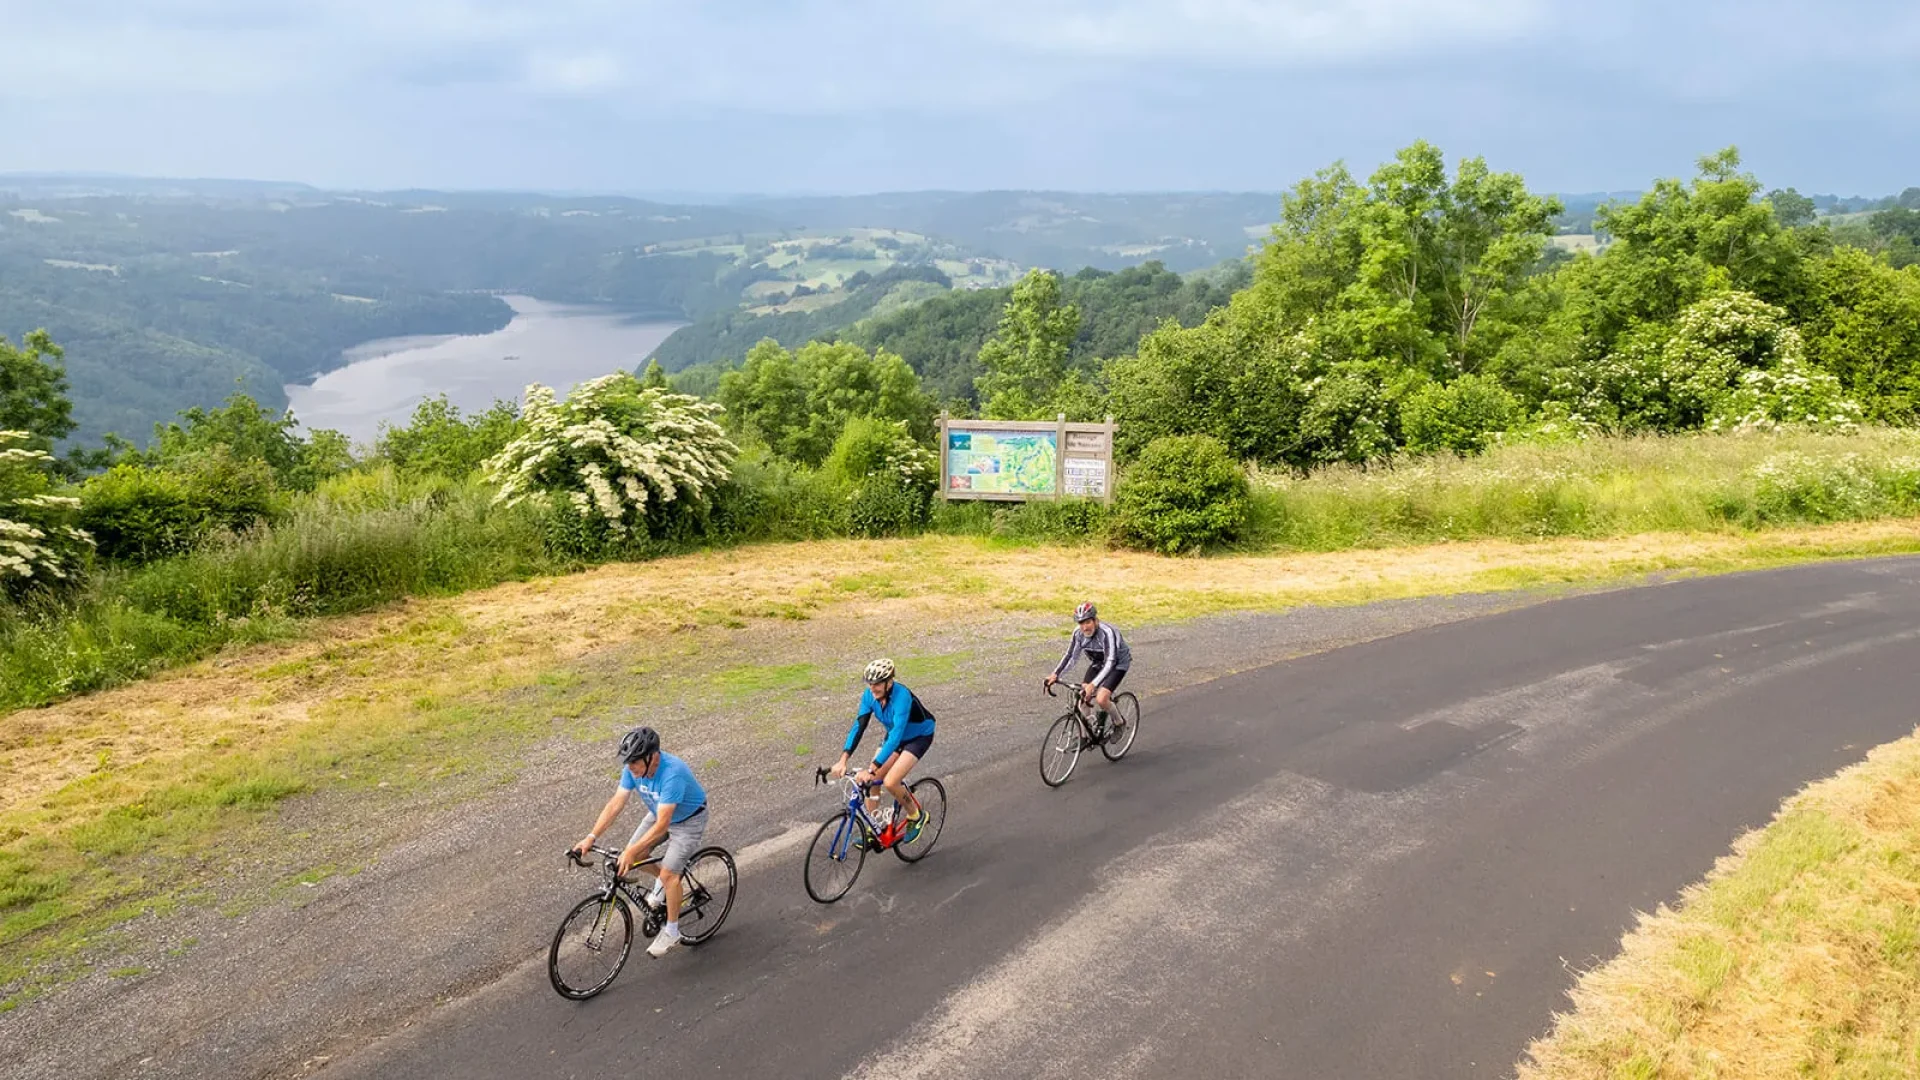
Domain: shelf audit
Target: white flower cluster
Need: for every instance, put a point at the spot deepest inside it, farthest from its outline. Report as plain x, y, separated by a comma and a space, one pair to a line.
612, 449
38, 542
915, 464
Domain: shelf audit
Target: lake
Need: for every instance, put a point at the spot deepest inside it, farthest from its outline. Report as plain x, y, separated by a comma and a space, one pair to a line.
560, 345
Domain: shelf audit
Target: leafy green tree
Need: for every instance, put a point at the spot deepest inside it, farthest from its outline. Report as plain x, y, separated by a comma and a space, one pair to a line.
767, 398
1409, 266
1026, 358
655, 375
438, 440
33, 391
1792, 209
797, 403
1683, 242
1865, 329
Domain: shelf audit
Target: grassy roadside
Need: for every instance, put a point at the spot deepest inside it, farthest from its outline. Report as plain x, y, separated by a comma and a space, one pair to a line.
1799, 956
114, 800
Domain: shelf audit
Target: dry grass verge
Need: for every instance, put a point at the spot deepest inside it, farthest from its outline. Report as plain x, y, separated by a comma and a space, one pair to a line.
1799, 956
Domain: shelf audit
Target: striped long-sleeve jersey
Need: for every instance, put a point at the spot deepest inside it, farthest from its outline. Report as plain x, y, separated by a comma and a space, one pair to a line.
1105, 649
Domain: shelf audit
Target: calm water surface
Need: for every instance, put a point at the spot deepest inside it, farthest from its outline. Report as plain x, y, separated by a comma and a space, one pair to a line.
556, 344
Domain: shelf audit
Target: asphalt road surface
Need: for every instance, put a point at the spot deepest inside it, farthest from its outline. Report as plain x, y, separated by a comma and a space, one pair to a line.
1385, 860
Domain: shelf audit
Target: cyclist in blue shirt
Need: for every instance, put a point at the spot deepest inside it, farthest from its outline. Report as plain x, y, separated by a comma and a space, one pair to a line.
909, 734
676, 812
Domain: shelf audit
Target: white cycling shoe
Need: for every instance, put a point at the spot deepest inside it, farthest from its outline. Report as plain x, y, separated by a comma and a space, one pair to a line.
663, 944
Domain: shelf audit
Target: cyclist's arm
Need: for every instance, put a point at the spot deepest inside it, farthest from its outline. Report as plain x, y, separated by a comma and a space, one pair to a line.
605, 820
1073, 650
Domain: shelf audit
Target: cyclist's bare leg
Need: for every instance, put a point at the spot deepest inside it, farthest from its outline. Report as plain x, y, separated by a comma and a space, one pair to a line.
673, 889
897, 768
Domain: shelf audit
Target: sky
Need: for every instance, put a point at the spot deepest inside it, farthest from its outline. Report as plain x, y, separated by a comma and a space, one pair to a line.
851, 96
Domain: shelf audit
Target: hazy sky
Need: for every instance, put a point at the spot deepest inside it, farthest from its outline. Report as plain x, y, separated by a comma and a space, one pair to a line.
869, 95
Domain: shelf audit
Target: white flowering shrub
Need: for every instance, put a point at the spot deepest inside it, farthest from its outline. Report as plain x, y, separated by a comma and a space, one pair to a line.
40, 547
617, 458
1730, 362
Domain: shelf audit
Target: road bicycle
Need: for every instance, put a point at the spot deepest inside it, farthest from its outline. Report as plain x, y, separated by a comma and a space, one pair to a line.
596, 937
840, 848
1077, 730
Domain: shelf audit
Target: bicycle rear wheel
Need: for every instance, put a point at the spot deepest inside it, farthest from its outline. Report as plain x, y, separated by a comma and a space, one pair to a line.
834, 858
1061, 750
709, 882
932, 797
1126, 708
590, 947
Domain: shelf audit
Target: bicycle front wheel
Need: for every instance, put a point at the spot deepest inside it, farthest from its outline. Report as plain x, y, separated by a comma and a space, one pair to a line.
932, 797
708, 883
1126, 709
834, 858
1061, 750
590, 947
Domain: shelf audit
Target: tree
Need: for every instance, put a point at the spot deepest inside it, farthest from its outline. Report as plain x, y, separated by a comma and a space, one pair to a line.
438, 440
797, 403
1025, 359
1791, 208
1865, 329
655, 375
1410, 265
33, 391
1683, 242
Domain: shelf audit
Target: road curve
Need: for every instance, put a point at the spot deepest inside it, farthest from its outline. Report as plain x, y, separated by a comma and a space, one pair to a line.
1385, 860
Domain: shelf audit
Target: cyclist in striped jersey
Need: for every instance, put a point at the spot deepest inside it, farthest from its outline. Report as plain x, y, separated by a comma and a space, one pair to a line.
1107, 659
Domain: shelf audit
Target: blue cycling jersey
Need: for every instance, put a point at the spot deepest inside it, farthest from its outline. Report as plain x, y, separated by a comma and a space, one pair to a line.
903, 717
672, 784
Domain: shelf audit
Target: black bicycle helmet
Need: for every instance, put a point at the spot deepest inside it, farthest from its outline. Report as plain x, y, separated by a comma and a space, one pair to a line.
639, 742
1084, 612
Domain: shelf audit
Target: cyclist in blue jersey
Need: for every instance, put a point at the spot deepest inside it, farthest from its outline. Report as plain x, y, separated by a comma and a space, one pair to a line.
676, 812
1107, 659
909, 733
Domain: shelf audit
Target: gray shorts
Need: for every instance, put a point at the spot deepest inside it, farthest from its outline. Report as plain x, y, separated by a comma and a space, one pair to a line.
683, 839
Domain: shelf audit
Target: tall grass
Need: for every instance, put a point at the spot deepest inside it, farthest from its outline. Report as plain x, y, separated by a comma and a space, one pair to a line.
359, 542
1596, 488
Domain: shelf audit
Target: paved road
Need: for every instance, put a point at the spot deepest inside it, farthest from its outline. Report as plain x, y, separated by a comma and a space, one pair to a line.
1378, 861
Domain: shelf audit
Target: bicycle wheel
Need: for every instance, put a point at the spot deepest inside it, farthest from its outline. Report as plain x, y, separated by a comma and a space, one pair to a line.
835, 857
932, 797
590, 947
1061, 750
1127, 708
708, 885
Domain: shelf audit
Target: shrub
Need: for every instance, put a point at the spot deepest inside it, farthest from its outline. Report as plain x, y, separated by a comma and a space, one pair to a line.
770, 498
886, 504
1462, 416
438, 440
626, 460
139, 513
40, 544
1184, 494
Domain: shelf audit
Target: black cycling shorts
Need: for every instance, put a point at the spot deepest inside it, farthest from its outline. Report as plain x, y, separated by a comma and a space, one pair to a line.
1111, 682
917, 747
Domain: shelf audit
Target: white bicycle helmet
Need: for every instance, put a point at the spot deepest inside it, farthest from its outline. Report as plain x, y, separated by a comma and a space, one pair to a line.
879, 671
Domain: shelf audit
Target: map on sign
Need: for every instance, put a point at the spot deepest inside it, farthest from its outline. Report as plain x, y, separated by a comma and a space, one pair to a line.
1002, 462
